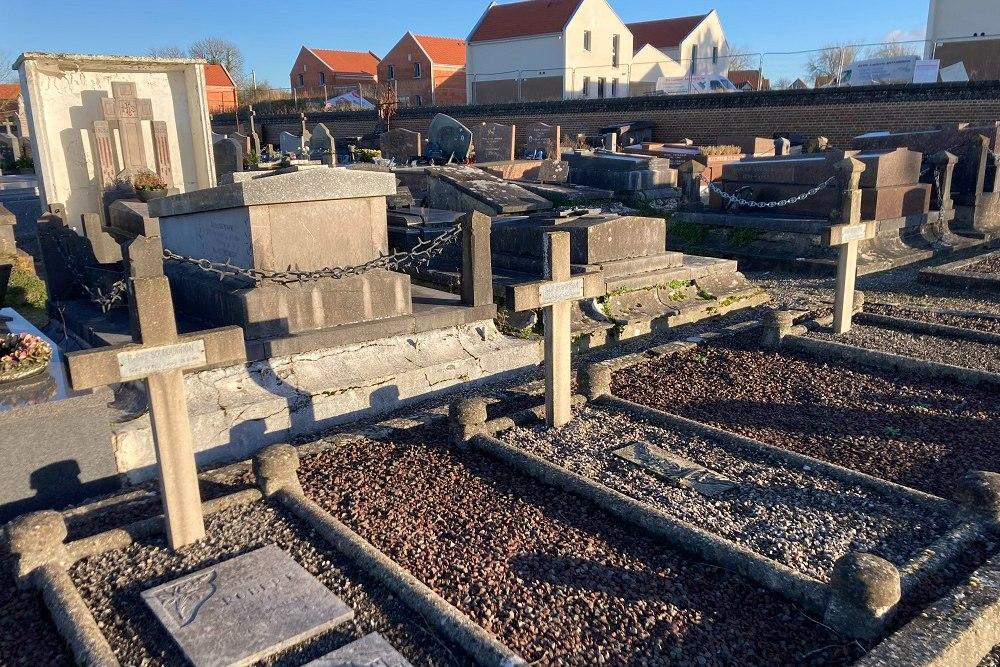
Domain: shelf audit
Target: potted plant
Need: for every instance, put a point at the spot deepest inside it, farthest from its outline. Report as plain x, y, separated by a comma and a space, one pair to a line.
251, 161
25, 164
149, 186
22, 355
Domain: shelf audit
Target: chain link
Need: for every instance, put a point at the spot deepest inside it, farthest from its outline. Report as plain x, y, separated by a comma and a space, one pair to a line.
96, 294
422, 253
733, 199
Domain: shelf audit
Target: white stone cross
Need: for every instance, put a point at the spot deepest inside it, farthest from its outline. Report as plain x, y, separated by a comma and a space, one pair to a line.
847, 235
159, 358
129, 112
555, 296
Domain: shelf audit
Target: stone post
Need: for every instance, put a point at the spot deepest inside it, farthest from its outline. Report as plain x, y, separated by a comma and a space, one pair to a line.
944, 167
865, 590
849, 178
477, 264
276, 469
35, 540
594, 381
467, 418
691, 172
980, 492
777, 325
782, 146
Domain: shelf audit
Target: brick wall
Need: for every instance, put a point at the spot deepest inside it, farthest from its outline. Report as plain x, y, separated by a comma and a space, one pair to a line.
838, 114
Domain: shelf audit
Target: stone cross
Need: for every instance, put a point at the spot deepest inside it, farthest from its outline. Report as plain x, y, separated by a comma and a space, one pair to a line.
129, 112
159, 356
846, 235
554, 296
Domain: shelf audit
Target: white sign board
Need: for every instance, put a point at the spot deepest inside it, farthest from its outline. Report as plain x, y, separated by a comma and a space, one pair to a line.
956, 73
551, 293
926, 71
141, 363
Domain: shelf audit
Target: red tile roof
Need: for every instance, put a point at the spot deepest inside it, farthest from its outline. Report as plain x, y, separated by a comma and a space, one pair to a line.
751, 76
443, 50
216, 75
9, 91
665, 33
352, 62
522, 19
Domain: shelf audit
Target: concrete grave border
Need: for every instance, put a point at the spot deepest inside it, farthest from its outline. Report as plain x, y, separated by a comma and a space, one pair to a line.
954, 275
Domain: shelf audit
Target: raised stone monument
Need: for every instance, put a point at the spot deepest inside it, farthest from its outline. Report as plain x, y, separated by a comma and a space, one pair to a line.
93, 117
400, 145
451, 137
493, 142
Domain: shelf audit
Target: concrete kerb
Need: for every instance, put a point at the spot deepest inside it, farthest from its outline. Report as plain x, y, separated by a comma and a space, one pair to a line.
953, 275
931, 328
889, 361
484, 647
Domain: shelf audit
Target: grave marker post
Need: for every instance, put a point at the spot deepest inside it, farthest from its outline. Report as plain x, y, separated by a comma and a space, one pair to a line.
158, 357
555, 295
847, 235
944, 164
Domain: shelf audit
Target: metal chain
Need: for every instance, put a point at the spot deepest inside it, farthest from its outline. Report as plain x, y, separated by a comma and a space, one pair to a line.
423, 252
767, 204
96, 295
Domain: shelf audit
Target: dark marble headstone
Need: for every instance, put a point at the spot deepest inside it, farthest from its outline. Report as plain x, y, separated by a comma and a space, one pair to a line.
452, 137
228, 157
541, 141
493, 142
243, 140
400, 145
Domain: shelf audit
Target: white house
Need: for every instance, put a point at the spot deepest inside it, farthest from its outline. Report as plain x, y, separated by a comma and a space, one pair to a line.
548, 50
689, 45
966, 31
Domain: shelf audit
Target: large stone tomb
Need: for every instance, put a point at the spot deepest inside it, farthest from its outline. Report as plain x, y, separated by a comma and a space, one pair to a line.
308, 219
627, 175
464, 188
975, 185
245, 609
93, 117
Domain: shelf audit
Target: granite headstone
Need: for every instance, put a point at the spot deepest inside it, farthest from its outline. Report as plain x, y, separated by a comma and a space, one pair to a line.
493, 142
453, 138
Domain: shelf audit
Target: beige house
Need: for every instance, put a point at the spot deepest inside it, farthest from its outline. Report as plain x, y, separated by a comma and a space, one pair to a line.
548, 50
966, 31
671, 48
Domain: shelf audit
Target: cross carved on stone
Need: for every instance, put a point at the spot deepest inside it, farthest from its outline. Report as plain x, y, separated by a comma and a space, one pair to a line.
128, 111
158, 357
555, 296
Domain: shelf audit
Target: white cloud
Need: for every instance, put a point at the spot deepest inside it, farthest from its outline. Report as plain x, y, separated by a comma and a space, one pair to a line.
901, 35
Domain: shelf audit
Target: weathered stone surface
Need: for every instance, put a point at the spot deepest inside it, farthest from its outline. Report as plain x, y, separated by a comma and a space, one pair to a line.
466, 188
888, 203
882, 168
551, 171
290, 143
245, 609
676, 470
321, 141
130, 218
400, 145
493, 142
620, 172
370, 651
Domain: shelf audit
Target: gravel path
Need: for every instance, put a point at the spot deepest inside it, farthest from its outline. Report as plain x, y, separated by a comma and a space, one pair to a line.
989, 265
801, 519
924, 434
964, 319
111, 584
554, 577
954, 351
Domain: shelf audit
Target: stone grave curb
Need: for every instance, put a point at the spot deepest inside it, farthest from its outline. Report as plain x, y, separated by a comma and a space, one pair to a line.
958, 629
803, 590
931, 328
952, 275
888, 361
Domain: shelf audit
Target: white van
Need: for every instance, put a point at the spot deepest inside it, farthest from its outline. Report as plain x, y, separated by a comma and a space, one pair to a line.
695, 84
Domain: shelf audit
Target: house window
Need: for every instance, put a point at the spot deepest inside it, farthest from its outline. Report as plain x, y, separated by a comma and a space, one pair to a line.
416, 101
392, 72
416, 70
694, 59
600, 87
615, 42
586, 40
586, 86
715, 55
302, 79
322, 78
614, 87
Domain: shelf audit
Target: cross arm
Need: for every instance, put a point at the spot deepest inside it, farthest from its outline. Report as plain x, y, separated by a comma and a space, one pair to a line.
120, 363
841, 234
529, 296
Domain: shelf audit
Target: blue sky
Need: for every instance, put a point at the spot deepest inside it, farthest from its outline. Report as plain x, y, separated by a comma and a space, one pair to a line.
270, 33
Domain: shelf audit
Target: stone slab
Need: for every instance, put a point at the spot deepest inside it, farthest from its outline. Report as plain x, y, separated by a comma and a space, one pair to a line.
372, 650
466, 188
400, 145
882, 168
602, 237
885, 203
567, 192
676, 470
245, 609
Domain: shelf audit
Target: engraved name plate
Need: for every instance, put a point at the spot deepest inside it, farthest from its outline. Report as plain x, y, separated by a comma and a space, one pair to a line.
853, 232
550, 293
136, 364
676, 470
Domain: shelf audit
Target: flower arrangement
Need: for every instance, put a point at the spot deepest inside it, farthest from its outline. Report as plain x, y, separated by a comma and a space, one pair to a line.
22, 355
148, 181
367, 154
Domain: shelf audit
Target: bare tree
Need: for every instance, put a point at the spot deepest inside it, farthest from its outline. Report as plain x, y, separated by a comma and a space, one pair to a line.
221, 52
168, 52
740, 57
892, 49
7, 74
784, 83
832, 59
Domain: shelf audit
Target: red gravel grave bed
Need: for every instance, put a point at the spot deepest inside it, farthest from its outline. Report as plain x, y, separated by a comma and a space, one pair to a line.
552, 576
966, 321
924, 434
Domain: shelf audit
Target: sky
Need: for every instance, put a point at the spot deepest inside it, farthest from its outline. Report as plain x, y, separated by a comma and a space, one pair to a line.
271, 33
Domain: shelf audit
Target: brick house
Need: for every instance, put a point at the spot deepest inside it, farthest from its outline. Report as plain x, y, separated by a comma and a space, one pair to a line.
426, 70
749, 79
315, 69
678, 47
220, 89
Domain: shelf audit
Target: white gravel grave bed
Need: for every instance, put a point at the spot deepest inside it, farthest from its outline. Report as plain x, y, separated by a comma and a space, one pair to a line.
941, 349
797, 517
